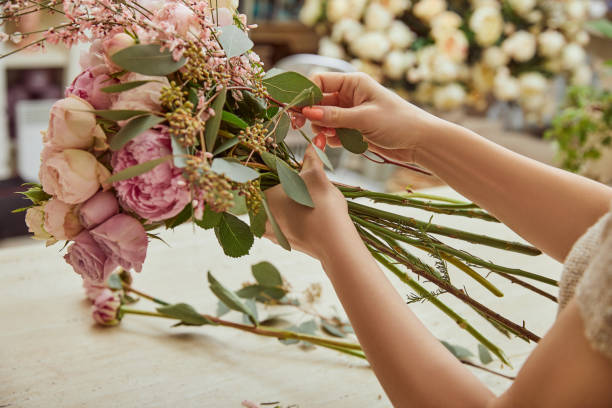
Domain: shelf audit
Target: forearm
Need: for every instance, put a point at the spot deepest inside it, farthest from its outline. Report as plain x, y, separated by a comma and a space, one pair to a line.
409, 362
549, 207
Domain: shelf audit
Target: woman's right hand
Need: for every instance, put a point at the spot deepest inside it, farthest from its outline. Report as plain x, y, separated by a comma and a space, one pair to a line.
392, 126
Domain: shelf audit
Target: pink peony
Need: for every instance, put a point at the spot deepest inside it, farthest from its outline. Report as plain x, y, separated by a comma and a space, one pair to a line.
158, 194
124, 240
88, 260
72, 126
98, 209
88, 86
145, 97
35, 220
105, 308
71, 175
61, 219
93, 289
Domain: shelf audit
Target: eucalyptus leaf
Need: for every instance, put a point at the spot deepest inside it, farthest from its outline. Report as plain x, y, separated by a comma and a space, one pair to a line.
137, 169
147, 59
222, 309
234, 170
119, 114
114, 282
212, 124
266, 274
352, 140
278, 233
126, 86
228, 144
252, 306
458, 351
258, 222
234, 120
293, 184
269, 159
323, 156
484, 355
279, 131
134, 128
179, 153
331, 329
210, 218
286, 86
234, 235
234, 41
230, 299
239, 207
185, 313
261, 293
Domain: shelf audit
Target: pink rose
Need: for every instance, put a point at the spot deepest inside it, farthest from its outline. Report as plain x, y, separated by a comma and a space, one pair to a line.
98, 209
179, 15
71, 175
92, 57
88, 259
124, 240
35, 220
93, 289
73, 126
145, 97
158, 194
105, 308
88, 86
115, 44
61, 219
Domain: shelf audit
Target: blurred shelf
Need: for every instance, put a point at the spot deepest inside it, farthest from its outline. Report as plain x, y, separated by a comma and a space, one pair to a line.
276, 40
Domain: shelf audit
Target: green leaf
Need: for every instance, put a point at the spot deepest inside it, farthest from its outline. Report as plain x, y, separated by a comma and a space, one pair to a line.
234, 235
234, 170
308, 327
240, 207
35, 194
261, 293
266, 274
278, 233
213, 123
147, 59
126, 86
230, 299
323, 156
602, 26
20, 210
179, 153
234, 120
114, 282
222, 309
352, 140
185, 313
331, 329
180, 218
120, 114
269, 159
293, 184
134, 128
279, 131
210, 218
137, 169
234, 41
458, 351
252, 306
258, 222
229, 143
286, 86
484, 355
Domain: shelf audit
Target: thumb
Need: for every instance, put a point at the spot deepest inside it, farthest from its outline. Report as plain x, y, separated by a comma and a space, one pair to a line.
311, 160
331, 116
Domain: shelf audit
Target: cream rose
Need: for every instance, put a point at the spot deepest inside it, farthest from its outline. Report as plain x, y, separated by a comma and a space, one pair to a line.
444, 69
377, 17
400, 35
573, 56
576, 9
72, 125
428, 9
582, 76
487, 24
533, 90
328, 48
453, 44
347, 30
371, 45
444, 23
337, 10
449, 96
482, 78
522, 6
397, 7
505, 86
520, 46
35, 220
61, 219
145, 97
397, 62
494, 57
372, 70
550, 43
310, 12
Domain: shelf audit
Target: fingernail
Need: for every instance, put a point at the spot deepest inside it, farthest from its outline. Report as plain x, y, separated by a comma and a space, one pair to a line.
313, 113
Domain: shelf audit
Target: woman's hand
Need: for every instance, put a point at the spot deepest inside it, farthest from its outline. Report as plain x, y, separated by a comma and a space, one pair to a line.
393, 127
310, 230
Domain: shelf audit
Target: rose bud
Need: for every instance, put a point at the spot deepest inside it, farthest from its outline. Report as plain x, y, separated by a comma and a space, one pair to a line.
98, 209
71, 175
88, 260
105, 308
61, 219
35, 220
73, 126
88, 86
123, 239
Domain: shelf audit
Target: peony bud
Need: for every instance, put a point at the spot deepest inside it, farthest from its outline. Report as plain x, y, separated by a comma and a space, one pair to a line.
105, 309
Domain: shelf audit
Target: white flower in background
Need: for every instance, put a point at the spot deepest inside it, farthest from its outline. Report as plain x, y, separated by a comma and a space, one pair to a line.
505, 86
428, 9
550, 43
520, 46
576, 9
553, 65
573, 56
337, 10
522, 6
400, 35
449, 96
454, 44
397, 7
372, 70
328, 48
356, 8
424, 92
396, 63
534, 16
422, 71
582, 76
482, 78
311, 12
533, 91
582, 38
347, 30
377, 17
444, 69
597, 9
494, 57
571, 28
484, 3
487, 24
444, 23
372, 45
601, 168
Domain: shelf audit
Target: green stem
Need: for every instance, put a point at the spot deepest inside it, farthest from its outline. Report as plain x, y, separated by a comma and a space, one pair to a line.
434, 198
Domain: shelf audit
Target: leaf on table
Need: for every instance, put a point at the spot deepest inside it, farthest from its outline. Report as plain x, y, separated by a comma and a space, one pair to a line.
137, 170
222, 309
185, 313
212, 124
234, 170
261, 293
132, 129
252, 306
458, 351
234, 41
484, 355
332, 330
293, 184
352, 140
286, 86
308, 327
266, 274
234, 235
230, 299
147, 59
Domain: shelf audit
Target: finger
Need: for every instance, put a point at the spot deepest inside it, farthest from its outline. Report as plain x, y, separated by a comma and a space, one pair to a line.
329, 81
329, 132
330, 99
333, 116
311, 160
334, 141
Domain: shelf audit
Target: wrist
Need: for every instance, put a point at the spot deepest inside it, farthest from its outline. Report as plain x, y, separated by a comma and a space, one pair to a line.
435, 137
336, 235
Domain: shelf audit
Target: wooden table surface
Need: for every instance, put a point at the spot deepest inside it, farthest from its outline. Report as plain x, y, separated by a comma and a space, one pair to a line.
52, 355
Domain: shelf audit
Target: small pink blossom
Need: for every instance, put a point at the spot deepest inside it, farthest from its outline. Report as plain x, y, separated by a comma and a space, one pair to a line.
106, 308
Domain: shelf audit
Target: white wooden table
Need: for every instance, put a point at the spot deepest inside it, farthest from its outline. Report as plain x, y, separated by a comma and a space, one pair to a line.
51, 354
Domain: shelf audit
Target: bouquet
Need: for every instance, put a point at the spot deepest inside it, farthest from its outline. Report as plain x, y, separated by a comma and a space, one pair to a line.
453, 53
174, 120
